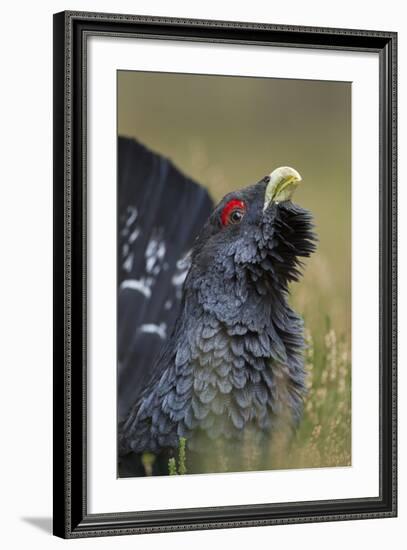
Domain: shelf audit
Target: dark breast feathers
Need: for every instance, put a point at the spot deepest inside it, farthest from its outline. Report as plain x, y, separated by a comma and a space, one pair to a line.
235, 359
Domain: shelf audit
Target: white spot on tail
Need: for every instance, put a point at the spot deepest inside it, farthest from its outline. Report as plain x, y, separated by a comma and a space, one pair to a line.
134, 235
160, 330
132, 215
140, 285
154, 255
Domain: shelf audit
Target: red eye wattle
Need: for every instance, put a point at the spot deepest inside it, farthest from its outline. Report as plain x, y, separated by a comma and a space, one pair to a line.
233, 212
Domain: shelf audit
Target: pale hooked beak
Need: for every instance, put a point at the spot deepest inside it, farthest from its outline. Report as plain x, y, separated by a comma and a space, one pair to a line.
282, 184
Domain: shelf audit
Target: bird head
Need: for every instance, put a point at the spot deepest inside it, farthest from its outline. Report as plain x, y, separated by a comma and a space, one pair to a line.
252, 244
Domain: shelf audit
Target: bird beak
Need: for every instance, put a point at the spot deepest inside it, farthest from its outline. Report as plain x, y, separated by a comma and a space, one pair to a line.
282, 184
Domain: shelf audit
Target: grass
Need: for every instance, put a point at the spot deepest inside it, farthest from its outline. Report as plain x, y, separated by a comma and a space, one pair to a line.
178, 467
324, 435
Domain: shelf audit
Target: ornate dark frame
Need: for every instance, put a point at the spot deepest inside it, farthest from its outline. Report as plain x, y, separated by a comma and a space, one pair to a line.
71, 518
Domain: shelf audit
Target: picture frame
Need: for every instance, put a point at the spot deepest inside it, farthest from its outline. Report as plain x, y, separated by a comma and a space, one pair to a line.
72, 30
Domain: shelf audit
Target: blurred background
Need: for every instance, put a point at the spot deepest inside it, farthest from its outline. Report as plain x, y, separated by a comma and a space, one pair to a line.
228, 132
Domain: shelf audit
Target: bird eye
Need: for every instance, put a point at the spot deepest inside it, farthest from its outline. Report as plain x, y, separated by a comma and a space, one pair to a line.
235, 216
233, 212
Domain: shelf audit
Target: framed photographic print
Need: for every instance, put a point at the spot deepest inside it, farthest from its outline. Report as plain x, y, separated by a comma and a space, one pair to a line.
224, 274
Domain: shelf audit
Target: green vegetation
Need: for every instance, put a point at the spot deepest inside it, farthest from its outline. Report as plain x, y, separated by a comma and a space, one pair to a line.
324, 435
181, 468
